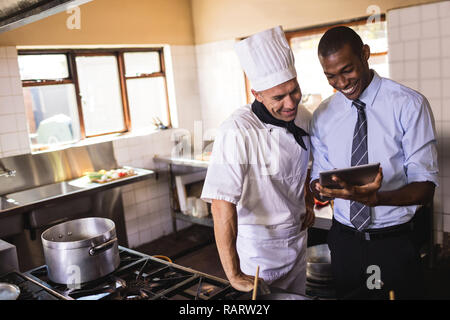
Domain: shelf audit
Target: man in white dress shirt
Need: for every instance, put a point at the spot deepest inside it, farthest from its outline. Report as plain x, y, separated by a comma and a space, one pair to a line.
372, 119
258, 170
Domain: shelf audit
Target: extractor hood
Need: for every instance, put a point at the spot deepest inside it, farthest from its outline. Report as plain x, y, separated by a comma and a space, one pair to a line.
16, 13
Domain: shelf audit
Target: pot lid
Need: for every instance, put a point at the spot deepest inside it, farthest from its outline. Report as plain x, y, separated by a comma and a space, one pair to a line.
9, 291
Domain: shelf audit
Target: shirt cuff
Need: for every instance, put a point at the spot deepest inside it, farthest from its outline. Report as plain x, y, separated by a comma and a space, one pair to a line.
423, 178
209, 198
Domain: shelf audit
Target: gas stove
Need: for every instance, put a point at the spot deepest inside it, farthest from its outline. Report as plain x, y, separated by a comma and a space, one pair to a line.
141, 277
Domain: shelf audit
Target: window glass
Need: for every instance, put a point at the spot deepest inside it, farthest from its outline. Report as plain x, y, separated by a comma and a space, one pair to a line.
52, 114
101, 99
43, 67
138, 63
147, 99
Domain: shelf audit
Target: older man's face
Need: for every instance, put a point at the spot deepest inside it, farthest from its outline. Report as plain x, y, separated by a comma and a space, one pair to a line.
282, 100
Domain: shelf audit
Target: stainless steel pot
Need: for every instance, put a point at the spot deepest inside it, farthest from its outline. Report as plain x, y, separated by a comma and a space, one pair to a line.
318, 263
80, 250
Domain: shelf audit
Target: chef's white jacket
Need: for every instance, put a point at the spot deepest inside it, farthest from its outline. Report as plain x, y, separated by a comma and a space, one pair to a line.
261, 169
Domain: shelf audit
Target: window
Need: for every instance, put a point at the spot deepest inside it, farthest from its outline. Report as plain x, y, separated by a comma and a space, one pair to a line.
71, 95
304, 43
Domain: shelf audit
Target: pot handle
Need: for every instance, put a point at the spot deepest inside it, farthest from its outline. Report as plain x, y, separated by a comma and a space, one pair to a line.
102, 247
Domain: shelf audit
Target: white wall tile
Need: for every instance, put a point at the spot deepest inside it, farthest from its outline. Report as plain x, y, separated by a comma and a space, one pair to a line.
429, 12
411, 50
393, 18
430, 29
128, 198
133, 240
5, 86
4, 72
146, 235
430, 88
445, 46
446, 223
396, 52
8, 124
430, 69
393, 34
430, 48
6, 103
410, 15
445, 26
10, 142
410, 32
436, 107
446, 111
11, 52
444, 9
24, 142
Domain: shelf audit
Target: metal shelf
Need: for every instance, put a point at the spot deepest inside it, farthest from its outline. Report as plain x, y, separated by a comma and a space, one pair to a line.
207, 221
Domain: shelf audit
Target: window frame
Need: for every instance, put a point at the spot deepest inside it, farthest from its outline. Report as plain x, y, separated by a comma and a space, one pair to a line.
315, 30
72, 54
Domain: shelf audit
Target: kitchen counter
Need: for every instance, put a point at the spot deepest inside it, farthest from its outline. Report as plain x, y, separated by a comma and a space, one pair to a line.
30, 199
323, 219
182, 161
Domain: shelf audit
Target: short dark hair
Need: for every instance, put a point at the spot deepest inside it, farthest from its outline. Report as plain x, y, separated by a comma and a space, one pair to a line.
335, 38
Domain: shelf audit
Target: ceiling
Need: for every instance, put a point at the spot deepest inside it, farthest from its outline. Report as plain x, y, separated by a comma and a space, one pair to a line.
16, 13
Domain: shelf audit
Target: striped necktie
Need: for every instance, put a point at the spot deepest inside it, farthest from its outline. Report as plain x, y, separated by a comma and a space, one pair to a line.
359, 213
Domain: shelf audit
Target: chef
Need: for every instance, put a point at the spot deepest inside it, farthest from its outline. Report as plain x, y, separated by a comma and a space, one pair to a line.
258, 170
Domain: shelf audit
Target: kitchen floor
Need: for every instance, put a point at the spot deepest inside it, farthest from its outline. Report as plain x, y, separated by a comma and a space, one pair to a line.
194, 247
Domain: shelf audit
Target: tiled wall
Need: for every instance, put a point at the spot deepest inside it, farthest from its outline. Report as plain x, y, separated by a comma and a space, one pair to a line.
146, 203
221, 82
186, 86
419, 57
13, 124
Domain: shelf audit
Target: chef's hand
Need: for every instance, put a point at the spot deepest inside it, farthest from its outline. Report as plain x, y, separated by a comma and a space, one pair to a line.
243, 282
366, 194
309, 217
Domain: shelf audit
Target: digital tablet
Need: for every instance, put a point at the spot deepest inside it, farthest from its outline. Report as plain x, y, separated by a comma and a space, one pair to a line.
357, 175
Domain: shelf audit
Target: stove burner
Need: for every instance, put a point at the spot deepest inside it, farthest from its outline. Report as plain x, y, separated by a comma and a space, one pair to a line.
140, 277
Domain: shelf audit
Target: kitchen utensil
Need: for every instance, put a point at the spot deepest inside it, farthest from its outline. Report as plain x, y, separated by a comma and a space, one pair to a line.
255, 285
9, 291
80, 250
391, 295
318, 263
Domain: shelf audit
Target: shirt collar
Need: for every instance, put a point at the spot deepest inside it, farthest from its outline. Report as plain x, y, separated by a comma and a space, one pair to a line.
369, 94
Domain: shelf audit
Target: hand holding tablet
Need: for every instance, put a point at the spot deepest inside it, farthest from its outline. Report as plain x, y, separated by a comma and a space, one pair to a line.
357, 176
359, 183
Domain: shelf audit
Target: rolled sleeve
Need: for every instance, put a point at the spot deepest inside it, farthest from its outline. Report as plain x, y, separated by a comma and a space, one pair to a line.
227, 168
419, 143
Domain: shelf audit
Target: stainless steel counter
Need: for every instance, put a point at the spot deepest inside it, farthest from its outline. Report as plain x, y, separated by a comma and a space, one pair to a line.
189, 162
323, 215
29, 199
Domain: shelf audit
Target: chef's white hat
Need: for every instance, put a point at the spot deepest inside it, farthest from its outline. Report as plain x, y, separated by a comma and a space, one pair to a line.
266, 58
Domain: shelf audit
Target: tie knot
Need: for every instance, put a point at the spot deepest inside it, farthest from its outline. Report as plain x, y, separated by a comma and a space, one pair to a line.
359, 104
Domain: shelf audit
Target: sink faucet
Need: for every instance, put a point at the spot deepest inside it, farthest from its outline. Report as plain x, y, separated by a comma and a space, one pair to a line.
6, 172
